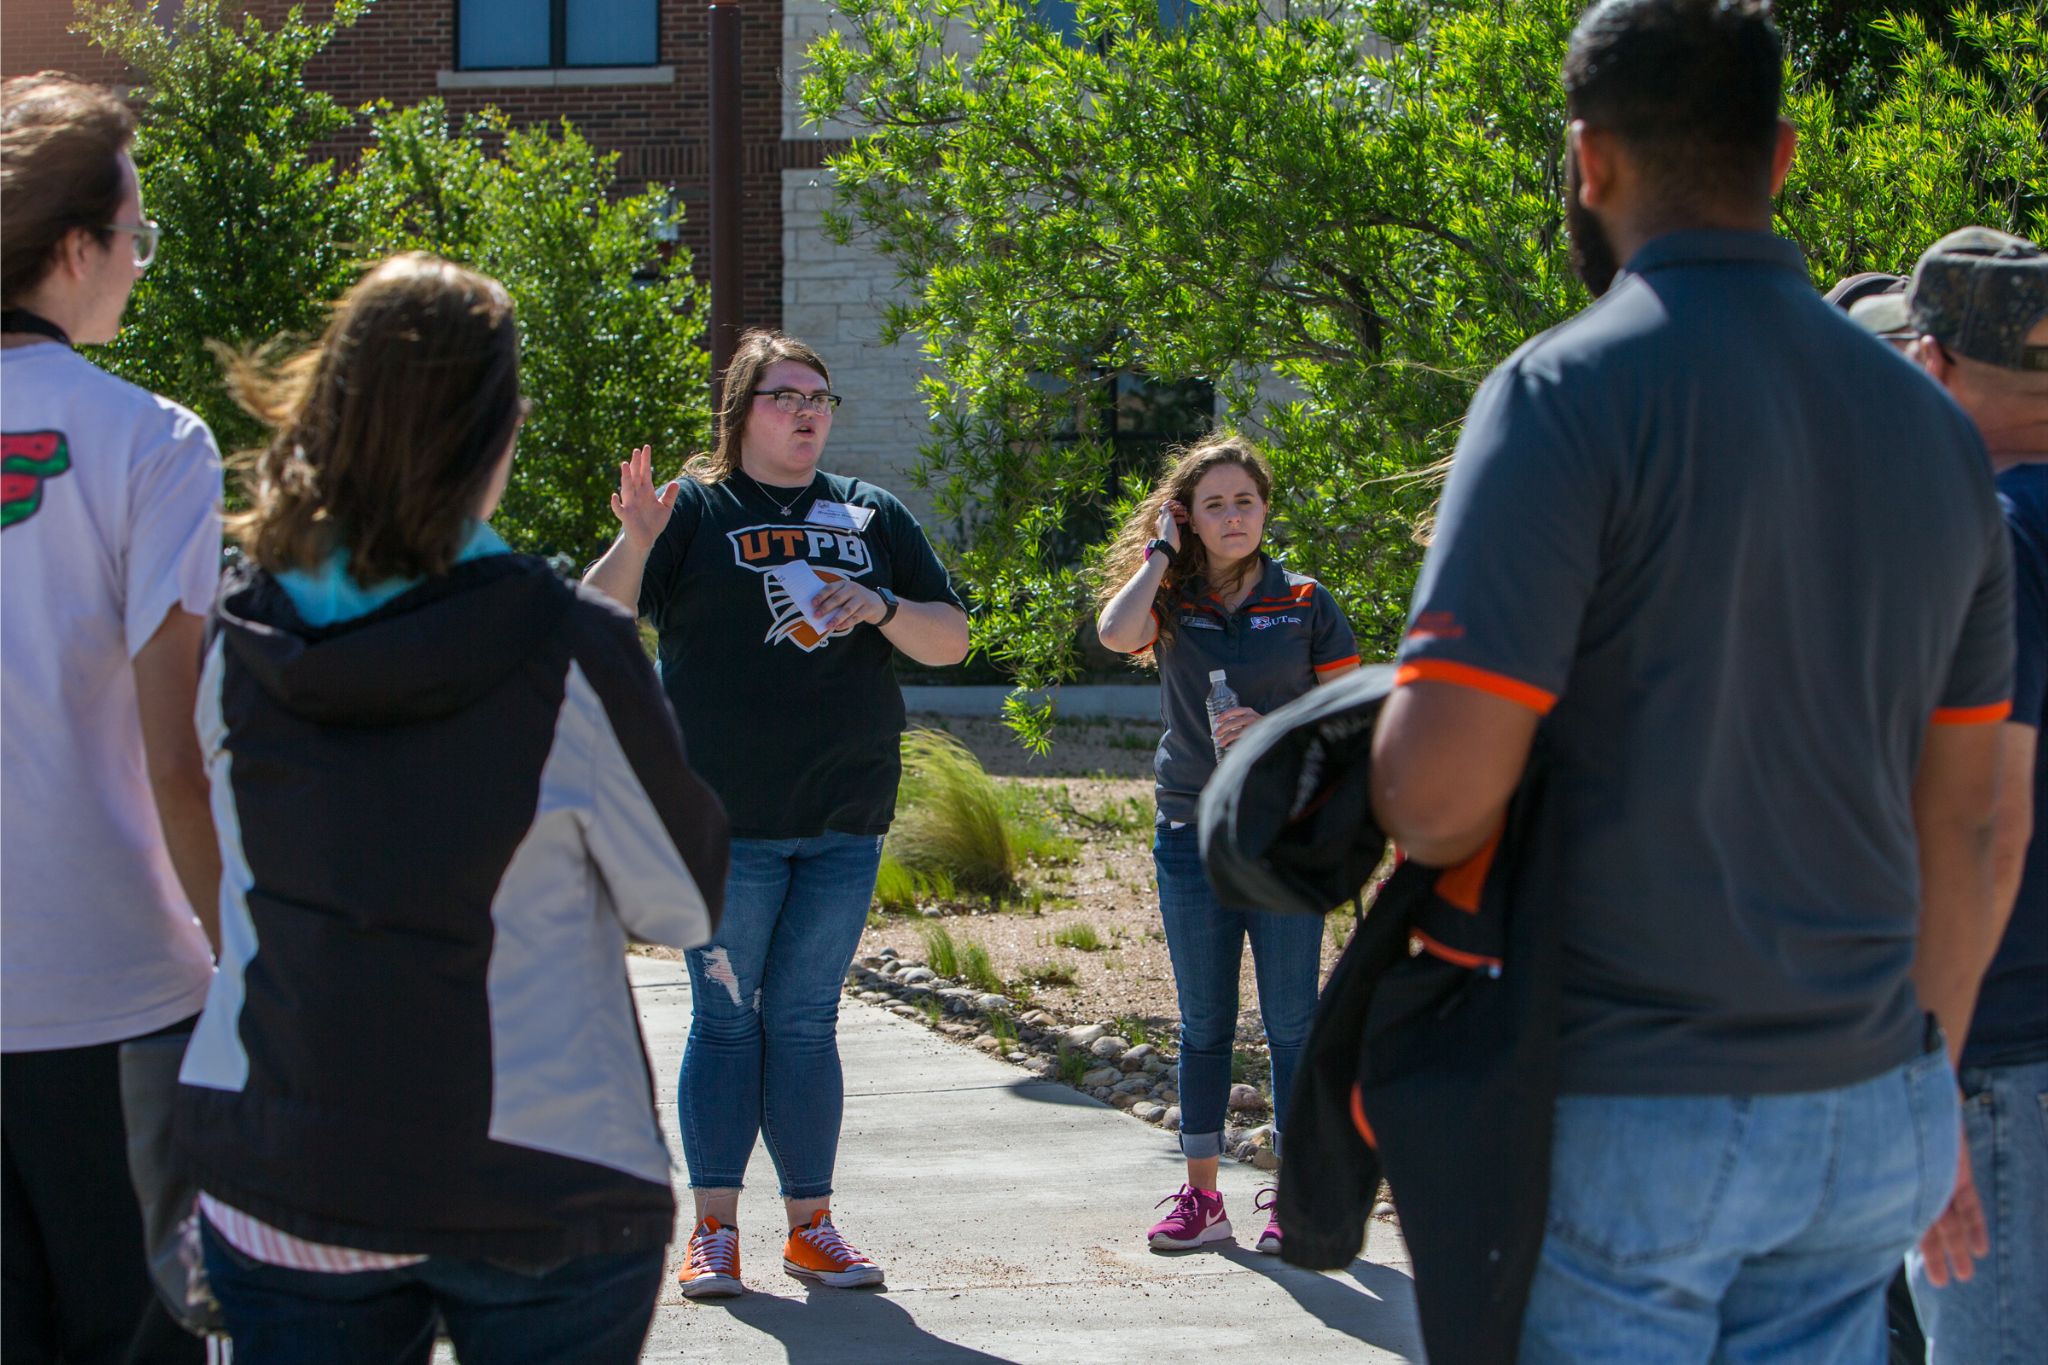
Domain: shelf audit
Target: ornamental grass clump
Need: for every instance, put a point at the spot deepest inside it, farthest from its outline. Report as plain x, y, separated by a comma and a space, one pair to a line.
951, 818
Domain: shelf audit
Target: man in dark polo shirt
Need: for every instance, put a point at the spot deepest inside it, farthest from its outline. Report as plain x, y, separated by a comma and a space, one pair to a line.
1744, 569
1977, 313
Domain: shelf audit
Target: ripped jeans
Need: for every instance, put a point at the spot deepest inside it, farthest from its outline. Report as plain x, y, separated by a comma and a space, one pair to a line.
763, 1052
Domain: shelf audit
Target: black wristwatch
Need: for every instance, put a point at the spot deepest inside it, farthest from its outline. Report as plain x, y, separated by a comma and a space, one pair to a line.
1164, 549
890, 603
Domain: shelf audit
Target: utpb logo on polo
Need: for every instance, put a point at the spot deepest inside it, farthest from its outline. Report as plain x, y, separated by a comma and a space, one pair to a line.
834, 555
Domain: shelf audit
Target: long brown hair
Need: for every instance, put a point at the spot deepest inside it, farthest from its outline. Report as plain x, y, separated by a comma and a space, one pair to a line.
1189, 574
60, 171
759, 347
388, 431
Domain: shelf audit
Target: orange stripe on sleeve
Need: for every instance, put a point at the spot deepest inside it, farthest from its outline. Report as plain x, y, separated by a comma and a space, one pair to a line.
1973, 715
1479, 679
1461, 885
1358, 1119
1336, 663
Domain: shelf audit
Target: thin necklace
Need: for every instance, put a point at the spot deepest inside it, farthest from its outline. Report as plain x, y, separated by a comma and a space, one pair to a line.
781, 507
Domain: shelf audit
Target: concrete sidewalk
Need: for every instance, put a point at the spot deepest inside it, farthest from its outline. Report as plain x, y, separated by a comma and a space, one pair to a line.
1009, 1213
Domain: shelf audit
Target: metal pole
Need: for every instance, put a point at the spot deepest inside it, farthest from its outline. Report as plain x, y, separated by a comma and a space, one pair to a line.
728, 265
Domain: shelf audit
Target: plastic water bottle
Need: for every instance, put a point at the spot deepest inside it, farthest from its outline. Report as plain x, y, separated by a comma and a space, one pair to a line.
1221, 699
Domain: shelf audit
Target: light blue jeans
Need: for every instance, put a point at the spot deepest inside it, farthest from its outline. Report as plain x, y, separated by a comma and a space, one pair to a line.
1748, 1228
763, 1051
1206, 945
1999, 1316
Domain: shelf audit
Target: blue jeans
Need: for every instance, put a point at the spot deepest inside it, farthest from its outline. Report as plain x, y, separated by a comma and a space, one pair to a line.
593, 1310
1206, 944
763, 1052
1738, 1227
1999, 1316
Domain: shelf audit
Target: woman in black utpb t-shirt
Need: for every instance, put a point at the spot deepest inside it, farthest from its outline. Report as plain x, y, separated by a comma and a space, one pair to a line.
1188, 581
779, 593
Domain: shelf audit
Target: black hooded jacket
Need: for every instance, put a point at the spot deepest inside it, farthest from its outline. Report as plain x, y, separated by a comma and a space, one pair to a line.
440, 823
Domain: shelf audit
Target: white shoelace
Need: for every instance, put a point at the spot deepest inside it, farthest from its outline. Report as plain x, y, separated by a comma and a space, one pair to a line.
716, 1252
826, 1238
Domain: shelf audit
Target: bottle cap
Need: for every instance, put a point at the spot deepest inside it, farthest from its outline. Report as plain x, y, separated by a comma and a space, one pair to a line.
1217, 676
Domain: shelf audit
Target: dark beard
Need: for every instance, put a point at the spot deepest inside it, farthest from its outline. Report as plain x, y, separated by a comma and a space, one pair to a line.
1592, 254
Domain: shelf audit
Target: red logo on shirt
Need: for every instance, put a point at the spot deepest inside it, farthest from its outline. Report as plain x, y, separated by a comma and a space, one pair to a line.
834, 555
26, 459
1436, 625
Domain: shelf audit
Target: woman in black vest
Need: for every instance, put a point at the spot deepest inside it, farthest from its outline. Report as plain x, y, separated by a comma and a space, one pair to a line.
1188, 582
780, 594
448, 791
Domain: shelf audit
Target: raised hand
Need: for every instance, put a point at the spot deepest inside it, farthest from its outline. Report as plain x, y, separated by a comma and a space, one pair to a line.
1172, 517
642, 511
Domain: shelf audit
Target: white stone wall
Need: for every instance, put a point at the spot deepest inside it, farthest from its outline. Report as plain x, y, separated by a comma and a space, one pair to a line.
832, 297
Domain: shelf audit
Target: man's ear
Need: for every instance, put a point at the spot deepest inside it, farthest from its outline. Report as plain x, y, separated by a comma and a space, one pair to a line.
1596, 150
1928, 354
1781, 153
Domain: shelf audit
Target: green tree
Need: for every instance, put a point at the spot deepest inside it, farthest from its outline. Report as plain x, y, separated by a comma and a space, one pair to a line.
1343, 218
254, 240
609, 329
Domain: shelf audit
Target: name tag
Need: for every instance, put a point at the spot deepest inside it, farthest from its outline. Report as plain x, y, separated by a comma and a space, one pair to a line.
840, 516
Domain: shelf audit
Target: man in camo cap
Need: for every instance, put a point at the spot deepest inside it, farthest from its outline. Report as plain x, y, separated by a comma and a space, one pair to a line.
1979, 293
1976, 319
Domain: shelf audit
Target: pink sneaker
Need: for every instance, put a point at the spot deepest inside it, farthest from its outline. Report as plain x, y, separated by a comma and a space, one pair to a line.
1268, 1203
1195, 1220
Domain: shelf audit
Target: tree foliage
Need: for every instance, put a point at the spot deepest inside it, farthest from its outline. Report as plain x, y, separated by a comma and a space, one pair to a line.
255, 242
607, 327
262, 232
1343, 217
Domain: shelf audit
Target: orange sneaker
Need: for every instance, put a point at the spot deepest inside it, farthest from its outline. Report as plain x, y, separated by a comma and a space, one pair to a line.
711, 1266
818, 1252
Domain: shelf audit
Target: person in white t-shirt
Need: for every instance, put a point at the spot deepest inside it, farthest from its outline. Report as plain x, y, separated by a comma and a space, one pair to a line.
109, 874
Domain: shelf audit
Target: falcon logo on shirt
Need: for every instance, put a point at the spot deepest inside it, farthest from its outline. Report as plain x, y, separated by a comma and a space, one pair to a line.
27, 458
833, 555
1268, 622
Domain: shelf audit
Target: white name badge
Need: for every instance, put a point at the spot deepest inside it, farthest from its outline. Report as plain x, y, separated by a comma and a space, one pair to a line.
840, 516
803, 585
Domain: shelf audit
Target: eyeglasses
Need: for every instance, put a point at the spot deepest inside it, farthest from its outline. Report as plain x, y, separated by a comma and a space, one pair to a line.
147, 234
790, 402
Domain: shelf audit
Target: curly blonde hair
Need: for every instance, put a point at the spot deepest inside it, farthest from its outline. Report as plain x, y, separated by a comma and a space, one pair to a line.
1189, 574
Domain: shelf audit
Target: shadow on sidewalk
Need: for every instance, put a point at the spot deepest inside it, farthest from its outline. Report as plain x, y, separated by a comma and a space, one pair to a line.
1383, 1315
1053, 1092
826, 1324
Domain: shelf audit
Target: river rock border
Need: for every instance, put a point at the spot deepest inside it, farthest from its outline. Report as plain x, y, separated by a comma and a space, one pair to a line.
1138, 1079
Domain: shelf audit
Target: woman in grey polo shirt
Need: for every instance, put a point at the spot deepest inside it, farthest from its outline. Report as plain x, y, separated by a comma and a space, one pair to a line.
1187, 582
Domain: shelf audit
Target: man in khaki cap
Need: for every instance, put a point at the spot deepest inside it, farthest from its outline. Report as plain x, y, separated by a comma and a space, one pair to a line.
1976, 318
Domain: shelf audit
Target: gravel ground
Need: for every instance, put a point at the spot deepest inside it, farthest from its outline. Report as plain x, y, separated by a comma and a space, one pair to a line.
1094, 769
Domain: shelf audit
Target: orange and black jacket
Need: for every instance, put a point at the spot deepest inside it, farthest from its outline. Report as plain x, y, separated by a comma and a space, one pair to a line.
1433, 1063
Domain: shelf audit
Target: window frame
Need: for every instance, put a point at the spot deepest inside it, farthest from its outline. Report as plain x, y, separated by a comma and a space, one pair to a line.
558, 43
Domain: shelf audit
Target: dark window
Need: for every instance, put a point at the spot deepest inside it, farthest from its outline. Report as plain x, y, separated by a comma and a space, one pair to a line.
1140, 418
1061, 17
498, 35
